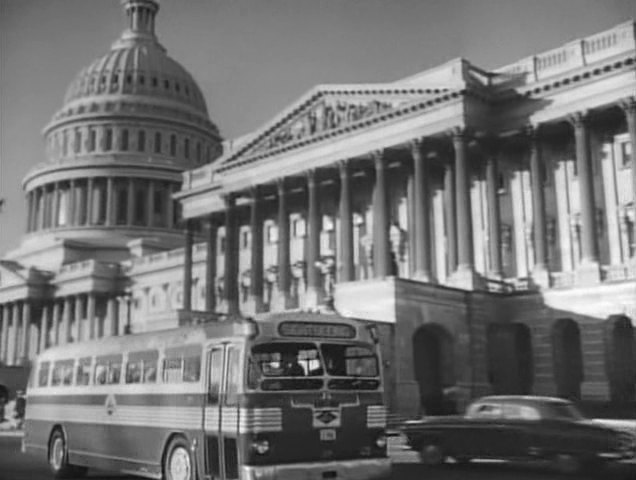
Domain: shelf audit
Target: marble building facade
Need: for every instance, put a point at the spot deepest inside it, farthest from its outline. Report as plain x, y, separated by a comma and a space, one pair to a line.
484, 219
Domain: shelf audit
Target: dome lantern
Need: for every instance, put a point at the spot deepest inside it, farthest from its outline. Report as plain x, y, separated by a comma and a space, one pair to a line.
141, 20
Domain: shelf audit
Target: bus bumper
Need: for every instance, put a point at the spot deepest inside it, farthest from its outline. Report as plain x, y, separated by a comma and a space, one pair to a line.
363, 469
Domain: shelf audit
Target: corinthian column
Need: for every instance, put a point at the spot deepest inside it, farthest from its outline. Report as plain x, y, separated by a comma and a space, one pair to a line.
4, 332
187, 266
284, 269
26, 332
494, 215
421, 214
462, 192
14, 341
539, 273
629, 107
381, 255
210, 266
44, 327
589, 245
450, 213
347, 273
256, 265
313, 295
231, 256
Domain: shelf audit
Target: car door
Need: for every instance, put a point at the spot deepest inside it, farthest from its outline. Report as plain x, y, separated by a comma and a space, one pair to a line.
482, 431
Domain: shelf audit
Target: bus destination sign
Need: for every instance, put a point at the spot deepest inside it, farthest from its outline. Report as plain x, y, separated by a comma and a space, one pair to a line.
315, 329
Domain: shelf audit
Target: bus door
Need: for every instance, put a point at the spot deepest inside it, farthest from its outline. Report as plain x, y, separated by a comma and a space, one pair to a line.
222, 411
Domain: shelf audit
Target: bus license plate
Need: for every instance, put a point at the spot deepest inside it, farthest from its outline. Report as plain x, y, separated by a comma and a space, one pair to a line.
327, 434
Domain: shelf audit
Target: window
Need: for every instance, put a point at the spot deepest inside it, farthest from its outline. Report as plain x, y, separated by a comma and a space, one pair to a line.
140, 205
182, 364
107, 370
158, 213
484, 410
298, 227
108, 139
78, 141
124, 140
233, 374
198, 152
141, 141
245, 239
626, 154
142, 367
62, 373
216, 368
65, 143
92, 140
155, 82
157, 142
222, 246
173, 145
272, 233
83, 371
186, 148
43, 374
166, 84
121, 215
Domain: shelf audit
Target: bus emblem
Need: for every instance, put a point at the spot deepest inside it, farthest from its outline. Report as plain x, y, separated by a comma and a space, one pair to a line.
111, 405
326, 416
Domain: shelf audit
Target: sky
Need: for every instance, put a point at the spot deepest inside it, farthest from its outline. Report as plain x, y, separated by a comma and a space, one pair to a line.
252, 58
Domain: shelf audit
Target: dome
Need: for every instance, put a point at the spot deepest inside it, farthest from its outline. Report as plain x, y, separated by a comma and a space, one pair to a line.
138, 65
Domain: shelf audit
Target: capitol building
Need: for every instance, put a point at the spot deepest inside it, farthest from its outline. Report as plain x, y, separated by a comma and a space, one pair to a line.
484, 219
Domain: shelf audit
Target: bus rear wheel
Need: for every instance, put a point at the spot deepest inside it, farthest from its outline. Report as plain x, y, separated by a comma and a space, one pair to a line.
58, 458
178, 464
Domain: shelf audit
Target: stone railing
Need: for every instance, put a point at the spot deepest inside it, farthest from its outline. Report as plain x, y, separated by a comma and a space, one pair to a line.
617, 273
509, 285
201, 176
572, 55
88, 267
562, 279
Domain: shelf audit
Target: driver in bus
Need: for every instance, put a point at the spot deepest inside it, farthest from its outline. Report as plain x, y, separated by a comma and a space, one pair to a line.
291, 367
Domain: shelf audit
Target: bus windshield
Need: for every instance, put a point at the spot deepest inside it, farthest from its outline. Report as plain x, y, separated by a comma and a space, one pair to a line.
304, 365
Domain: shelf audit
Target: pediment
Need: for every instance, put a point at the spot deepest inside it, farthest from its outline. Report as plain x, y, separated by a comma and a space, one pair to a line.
12, 274
326, 111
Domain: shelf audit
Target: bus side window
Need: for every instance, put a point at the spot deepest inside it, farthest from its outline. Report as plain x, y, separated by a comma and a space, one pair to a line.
133, 371
83, 375
114, 372
192, 369
216, 367
100, 373
43, 374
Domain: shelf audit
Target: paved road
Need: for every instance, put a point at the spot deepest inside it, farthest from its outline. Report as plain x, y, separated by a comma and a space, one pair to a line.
17, 466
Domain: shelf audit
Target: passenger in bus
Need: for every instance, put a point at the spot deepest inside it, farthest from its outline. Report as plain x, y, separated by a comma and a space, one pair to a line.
291, 367
100, 374
150, 375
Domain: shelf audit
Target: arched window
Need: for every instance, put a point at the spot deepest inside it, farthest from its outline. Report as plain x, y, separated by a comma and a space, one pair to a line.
567, 358
92, 139
157, 142
140, 205
173, 145
77, 144
124, 140
121, 202
108, 139
620, 358
510, 365
141, 141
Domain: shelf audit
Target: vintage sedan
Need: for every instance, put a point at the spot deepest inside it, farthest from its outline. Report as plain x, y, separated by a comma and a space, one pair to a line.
520, 428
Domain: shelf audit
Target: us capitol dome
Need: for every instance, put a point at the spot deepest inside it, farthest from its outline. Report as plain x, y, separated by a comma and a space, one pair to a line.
131, 122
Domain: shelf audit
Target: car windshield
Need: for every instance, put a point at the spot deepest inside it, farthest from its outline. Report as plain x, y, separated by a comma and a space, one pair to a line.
563, 411
304, 365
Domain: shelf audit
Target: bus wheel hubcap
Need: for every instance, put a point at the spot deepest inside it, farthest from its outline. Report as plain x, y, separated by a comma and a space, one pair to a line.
180, 464
57, 453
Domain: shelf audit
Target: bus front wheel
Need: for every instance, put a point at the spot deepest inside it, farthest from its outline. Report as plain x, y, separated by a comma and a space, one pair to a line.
58, 458
178, 464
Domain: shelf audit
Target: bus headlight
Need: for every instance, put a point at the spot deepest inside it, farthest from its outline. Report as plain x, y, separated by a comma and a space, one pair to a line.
380, 441
261, 446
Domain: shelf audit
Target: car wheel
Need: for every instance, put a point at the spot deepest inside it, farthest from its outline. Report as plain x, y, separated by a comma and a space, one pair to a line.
462, 460
178, 464
566, 463
431, 454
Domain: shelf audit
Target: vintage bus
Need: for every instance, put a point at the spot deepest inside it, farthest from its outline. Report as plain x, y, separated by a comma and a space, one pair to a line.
282, 396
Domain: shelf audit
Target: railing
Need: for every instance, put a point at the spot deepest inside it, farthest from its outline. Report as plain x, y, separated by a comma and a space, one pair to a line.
615, 273
575, 54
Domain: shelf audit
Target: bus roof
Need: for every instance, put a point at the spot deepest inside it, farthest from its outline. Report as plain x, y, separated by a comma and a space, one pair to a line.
150, 340
231, 327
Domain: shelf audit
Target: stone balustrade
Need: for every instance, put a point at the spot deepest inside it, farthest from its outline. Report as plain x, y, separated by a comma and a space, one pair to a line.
575, 54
